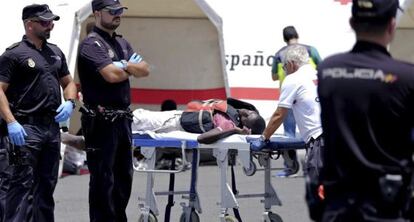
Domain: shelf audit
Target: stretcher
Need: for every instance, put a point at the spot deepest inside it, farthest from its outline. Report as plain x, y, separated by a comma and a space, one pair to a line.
182, 140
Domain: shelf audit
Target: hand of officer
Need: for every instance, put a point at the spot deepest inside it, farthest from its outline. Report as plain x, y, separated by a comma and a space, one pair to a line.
16, 133
135, 58
258, 144
64, 111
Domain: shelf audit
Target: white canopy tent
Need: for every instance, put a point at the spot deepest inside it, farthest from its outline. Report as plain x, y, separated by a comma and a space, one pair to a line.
402, 47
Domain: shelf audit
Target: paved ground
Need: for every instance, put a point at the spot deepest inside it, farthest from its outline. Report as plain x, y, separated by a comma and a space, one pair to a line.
71, 196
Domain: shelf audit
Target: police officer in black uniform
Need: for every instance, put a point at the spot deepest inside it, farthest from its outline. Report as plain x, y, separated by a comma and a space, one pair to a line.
106, 61
31, 73
367, 101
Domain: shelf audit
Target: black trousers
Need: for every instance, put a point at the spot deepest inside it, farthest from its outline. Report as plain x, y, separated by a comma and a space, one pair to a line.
366, 201
357, 210
28, 181
109, 157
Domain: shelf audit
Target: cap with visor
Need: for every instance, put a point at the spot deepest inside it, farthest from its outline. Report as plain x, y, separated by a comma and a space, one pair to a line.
41, 12
108, 4
374, 11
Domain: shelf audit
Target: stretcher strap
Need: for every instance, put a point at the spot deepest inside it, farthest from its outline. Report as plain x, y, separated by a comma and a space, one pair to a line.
170, 202
235, 192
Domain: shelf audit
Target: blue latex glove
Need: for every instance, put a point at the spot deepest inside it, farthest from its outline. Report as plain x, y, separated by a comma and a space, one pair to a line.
16, 133
64, 111
135, 58
257, 144
119, 65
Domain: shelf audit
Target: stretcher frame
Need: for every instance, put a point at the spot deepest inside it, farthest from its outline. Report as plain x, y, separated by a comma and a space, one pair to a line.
228, 199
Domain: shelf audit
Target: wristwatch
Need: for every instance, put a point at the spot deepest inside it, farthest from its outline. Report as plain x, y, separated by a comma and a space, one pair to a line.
124, 64
73, 102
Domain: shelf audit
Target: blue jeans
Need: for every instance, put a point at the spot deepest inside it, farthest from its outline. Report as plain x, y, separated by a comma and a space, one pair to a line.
289, 126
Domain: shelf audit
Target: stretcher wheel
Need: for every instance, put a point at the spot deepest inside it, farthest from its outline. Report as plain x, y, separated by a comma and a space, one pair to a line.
230, 218
193, 217
151, 218
275, 217
252, 169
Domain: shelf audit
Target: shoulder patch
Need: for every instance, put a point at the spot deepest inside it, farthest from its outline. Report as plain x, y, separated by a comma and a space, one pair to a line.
92, 35
94, 38
14, 45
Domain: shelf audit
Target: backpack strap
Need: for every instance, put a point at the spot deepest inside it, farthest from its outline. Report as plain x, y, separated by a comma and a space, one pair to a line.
200, 119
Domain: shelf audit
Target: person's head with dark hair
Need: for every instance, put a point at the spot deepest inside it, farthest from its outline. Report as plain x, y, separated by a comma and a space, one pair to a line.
289, 34
107, 14
168, 104
374, 20
252, 120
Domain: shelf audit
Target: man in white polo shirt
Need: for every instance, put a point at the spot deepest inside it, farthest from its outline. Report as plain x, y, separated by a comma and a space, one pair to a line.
299, 93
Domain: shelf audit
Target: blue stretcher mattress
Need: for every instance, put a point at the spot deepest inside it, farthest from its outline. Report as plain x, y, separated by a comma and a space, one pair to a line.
283, 143
276, 142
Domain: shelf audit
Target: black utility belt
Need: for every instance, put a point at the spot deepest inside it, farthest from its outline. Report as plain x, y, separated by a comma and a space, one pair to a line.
315, 142
33, 120
106, 113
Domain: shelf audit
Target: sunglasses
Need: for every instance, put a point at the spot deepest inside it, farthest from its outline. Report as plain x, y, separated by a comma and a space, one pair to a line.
44, 24
114, 12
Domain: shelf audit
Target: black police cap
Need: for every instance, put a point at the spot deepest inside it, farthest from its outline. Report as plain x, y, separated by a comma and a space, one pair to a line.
110, 4
374, 10
41, 12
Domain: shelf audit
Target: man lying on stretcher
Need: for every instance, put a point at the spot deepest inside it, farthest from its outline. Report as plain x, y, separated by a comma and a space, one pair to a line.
213, 119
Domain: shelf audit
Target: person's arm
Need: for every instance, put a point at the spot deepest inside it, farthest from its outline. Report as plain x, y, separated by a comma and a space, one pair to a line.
275, 121
314, 55
286, 100
136, 66
217, 133
275, 67
77, 142
16, 131
275, 76
7, 70
64, 111
5, 111
122, 70
94, 54
113, 74
137, 70
68, 86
